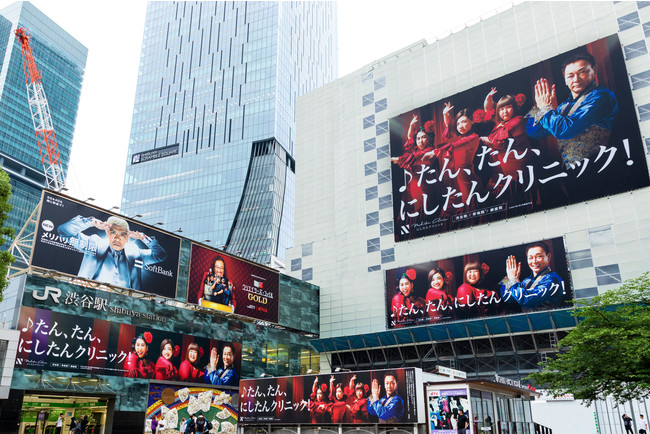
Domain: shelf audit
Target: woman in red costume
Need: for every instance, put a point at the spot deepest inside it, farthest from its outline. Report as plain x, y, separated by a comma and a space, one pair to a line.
439, 301
165, 370
408, 309
137, 365
357, 403
418, 151
190, 369
318, 407
510, 141
339, 411
457, 156
471, 301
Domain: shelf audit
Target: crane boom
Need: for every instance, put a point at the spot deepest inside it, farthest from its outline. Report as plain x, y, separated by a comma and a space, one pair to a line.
41, 117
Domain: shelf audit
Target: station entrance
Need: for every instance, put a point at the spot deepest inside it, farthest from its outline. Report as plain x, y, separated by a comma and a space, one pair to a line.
40, 412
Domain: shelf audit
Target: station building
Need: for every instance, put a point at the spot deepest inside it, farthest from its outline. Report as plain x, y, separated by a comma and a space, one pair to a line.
371, 207
90, 336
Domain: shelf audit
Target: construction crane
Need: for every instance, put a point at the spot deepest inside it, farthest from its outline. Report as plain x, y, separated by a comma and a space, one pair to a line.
41, 117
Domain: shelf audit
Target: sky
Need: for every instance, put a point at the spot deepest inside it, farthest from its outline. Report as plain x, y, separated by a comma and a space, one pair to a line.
112, 32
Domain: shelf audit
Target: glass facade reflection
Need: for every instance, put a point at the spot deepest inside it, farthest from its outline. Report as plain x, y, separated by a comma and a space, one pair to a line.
217, 87
61, 60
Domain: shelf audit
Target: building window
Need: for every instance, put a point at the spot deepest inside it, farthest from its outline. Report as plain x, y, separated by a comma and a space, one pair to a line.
370, 144
382, 103
371, 168
601, 236
381, 128
374, 268
387, 255
296, 264
385, 202
386, 228
307, 274
368, 121
367, 76
646, 29
608, 274
307, 249
580, 259
586, 292
372, 218
383, 177
640, 80
372, 245
633, 50
381, 81
371, 193
624, 23
383, 152
644, 112
368, 99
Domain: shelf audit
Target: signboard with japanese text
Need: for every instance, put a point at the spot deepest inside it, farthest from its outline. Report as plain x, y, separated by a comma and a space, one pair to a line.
497, 282
225, 283
555, 133
448, 408
76, 239
382, 396
56, 341
173, 403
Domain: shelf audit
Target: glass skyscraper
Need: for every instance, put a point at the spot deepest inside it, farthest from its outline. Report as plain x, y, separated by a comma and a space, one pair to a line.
61, 59
213, 132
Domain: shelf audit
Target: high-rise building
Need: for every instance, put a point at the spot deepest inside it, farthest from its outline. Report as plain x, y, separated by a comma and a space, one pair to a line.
61, 59
213, 132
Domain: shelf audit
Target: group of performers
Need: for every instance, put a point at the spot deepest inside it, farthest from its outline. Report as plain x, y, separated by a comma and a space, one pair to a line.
138, 365
475, 297
497, 156
471, 299
356, 402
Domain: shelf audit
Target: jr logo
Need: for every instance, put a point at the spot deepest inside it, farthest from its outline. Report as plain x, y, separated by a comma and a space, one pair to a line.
50, 291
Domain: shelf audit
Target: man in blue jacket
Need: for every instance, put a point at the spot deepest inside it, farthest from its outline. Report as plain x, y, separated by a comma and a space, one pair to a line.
390, 408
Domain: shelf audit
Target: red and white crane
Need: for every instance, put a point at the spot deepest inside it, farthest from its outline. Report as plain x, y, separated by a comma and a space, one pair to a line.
41, 117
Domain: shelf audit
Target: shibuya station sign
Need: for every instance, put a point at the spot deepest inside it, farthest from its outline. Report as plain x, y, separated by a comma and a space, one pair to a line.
76, 239
559, 132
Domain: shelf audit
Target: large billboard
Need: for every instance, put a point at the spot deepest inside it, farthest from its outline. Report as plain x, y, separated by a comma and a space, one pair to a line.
56, 341
175, 404
497, 282
558, 132
382, 396
222, 282
82, 241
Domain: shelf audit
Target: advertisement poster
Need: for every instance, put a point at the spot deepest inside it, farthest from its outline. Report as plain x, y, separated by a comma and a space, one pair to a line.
175, 404
382, 396
54, 341
82, 241
448, 408
511, 280
221, 282
558, 132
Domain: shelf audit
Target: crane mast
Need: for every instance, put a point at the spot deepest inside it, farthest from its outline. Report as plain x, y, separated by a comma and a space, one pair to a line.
41, 117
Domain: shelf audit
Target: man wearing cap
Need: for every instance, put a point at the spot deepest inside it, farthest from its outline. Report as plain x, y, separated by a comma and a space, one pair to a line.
112, 259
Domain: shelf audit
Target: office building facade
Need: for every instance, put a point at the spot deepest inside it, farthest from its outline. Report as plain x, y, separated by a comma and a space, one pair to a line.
61, 60
213, 132
363, 222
